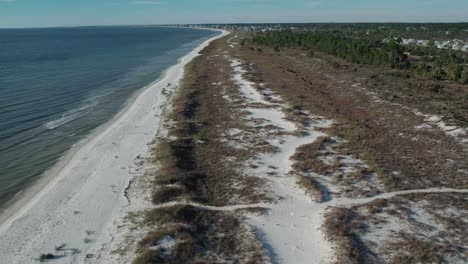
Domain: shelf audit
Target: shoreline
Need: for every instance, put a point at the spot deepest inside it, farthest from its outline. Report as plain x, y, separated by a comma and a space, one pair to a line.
64, 170
21, 198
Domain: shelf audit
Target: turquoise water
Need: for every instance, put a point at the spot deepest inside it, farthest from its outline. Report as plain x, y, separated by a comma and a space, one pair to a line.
58, 84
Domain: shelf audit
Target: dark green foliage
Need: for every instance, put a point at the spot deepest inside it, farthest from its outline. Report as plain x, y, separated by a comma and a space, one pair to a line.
356, 50
464, 78
357, 46
437, 88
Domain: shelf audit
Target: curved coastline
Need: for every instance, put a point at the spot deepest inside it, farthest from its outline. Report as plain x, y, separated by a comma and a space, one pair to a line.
27, 199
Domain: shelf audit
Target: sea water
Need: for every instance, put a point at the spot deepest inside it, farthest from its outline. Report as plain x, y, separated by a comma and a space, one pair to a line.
58, 84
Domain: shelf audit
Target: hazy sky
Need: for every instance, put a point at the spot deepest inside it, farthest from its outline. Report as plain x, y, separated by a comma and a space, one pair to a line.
38, 13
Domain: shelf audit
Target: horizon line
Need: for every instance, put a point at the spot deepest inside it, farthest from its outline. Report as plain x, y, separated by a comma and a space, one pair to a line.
240, 23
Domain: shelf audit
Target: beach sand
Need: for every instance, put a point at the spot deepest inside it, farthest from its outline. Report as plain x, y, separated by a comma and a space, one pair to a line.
83, 195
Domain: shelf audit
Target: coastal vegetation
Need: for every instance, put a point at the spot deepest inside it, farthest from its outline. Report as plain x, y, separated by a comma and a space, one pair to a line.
192, 220
375, 49
378, 109
312, 129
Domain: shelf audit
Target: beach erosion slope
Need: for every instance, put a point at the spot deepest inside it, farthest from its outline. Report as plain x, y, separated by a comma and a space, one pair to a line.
85, 190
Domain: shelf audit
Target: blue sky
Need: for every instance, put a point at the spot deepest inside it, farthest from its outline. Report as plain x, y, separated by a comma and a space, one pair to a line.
40, 13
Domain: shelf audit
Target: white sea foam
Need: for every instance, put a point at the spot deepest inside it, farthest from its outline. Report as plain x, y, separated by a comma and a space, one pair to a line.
71, 115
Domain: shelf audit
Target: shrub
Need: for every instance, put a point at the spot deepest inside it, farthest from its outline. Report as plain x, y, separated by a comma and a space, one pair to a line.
242, 43
464, 78
45, 257
437, 88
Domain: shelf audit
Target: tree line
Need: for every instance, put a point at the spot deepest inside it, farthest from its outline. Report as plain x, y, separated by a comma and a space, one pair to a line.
430, 61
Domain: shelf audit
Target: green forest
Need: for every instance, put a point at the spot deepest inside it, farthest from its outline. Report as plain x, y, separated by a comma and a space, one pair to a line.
428, 61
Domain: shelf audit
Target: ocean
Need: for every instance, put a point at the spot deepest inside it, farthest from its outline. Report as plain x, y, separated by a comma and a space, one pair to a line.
59, 84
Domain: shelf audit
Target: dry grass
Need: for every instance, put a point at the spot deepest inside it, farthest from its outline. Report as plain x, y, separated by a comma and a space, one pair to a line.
197, 165
342, 227
380, 134
420, 251
193, 168
328, 159
434, 240
202, 236
307, 157
313, 187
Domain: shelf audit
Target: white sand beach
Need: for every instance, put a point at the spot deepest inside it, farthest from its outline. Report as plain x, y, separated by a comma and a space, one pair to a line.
84, 194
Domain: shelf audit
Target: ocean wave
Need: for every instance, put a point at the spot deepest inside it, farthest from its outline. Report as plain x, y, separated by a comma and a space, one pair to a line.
70, 115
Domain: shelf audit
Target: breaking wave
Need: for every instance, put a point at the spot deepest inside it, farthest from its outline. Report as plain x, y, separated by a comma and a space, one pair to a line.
70, 115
